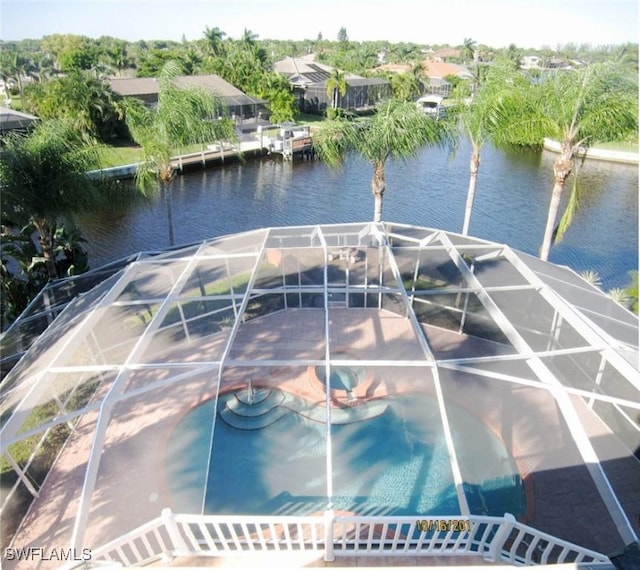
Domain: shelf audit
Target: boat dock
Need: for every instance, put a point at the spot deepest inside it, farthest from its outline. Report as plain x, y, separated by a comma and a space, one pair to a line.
291, 141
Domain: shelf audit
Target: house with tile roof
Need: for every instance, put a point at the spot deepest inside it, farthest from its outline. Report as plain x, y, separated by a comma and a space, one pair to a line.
445, 54
309, 81
434, 73
442, 69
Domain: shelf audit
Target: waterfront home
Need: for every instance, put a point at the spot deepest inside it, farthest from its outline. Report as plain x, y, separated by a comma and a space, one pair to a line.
237, 104
434, 74
309, 80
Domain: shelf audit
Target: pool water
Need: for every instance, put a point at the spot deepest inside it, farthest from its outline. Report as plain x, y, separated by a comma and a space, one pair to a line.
393, 464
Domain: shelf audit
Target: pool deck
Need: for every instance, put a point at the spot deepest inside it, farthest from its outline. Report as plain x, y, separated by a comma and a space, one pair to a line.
561, 497
313, 560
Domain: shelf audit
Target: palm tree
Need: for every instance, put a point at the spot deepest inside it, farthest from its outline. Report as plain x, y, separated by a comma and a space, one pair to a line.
43, 67
417, 70
18, 67
214, 38
182, 117
627, 56
44, 181
84, 99
469, 49
119, 57
336, 84
578, 109
397, 131
513, 54
477, 118
191, 61
405, 86
244, 66
248, 38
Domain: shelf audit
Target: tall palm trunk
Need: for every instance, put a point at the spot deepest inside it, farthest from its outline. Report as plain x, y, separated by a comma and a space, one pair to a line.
474, 167
168, 198
167, 174
378, 186
20, 90
561, 170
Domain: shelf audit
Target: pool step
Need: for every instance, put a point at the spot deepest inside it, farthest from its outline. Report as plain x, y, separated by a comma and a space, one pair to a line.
252, 422
269, 406
264, 401
260, 409
256, 396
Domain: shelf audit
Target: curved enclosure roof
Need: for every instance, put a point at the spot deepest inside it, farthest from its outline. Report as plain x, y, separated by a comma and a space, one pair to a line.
543, 358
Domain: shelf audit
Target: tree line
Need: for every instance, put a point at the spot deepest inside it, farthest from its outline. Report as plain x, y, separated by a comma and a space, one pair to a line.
144, 58
247, 62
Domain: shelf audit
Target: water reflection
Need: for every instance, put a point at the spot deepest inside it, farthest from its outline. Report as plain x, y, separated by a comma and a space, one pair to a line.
511, 204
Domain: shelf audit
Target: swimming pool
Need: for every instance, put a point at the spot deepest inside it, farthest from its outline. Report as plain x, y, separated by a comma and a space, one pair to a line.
395, 463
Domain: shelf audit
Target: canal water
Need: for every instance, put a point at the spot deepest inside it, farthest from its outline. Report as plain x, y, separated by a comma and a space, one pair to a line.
429, 190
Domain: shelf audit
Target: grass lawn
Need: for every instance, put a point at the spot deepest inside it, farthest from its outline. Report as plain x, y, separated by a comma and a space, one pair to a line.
309, 118
620, 146
121, 155
118, 155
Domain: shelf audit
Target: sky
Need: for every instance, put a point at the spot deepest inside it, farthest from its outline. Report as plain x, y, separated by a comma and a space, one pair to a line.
496, 23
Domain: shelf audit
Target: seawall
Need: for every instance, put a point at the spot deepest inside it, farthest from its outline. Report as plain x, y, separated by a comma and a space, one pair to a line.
598, 153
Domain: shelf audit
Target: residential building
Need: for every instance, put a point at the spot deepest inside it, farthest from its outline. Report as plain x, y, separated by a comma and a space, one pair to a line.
309, 80
236, 103
434, 73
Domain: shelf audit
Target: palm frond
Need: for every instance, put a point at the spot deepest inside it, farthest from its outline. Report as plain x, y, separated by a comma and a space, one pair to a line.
592, 277
619, 296
45, 174
569, 212
334, 139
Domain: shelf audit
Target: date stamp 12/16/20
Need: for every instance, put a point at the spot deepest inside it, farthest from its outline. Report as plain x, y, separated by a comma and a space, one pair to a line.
443, 525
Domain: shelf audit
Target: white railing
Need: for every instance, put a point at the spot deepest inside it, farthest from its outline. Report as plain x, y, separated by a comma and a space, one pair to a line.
524, 545
499, 539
